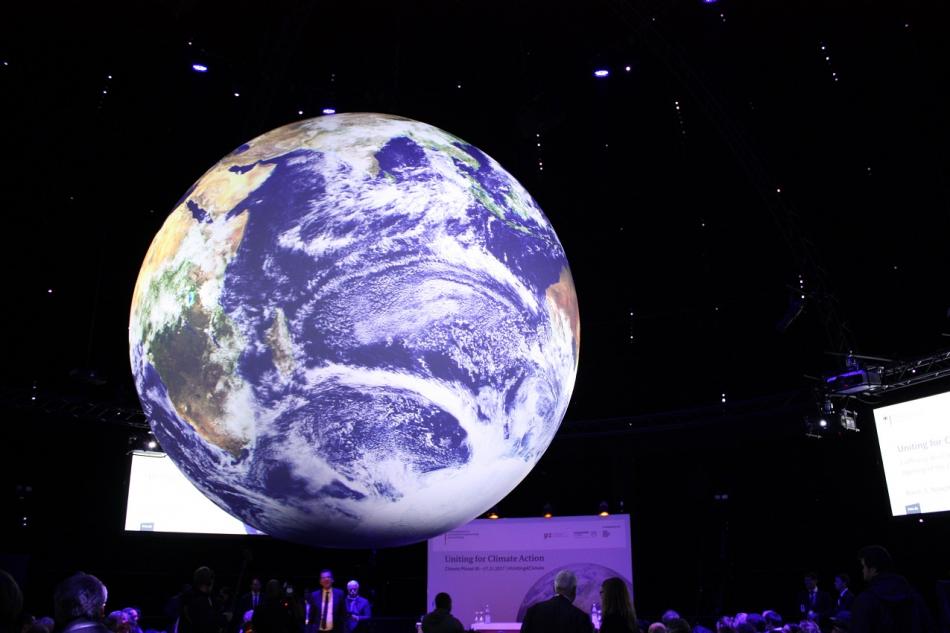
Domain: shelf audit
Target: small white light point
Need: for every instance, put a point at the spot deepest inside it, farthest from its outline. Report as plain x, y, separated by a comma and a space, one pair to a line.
237, 94
328, 111
300, 112
627, 68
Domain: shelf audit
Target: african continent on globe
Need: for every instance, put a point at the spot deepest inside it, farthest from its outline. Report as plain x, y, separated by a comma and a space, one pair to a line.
355, 331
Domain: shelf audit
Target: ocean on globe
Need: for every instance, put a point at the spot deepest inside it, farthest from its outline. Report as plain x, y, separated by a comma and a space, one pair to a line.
355, 331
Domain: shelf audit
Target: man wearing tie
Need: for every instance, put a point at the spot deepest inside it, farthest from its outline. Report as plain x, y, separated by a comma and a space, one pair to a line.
845, 596
814, 604
327, 606
247, 602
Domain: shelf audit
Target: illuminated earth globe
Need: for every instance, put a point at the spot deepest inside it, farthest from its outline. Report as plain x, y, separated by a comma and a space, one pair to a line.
355, 331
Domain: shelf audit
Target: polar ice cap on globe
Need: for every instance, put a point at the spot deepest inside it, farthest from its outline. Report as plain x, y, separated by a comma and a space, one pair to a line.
355, 331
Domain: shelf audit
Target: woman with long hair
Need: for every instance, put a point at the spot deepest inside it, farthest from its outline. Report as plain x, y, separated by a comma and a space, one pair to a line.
619, 615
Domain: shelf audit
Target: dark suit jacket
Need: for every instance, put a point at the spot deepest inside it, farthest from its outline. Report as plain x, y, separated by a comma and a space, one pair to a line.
556, 615
199, 614
339, 610
243, 605
845, 600
359, 607
246, 603
823, 605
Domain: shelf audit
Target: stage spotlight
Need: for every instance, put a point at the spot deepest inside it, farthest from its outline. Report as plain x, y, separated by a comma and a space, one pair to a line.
548, 511
848, 420
329, 111
604, 509
827, 407
816, 427
199, 68
601, 72
493, 515
151, 443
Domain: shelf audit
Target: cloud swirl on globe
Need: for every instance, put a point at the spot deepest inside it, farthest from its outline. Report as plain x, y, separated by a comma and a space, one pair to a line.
355, 331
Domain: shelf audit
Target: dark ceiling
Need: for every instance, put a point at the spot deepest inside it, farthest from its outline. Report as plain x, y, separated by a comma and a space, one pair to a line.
747, 145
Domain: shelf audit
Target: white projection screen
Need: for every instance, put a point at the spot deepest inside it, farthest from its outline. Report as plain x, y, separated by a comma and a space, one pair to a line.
161, 499
507, 565
914, 438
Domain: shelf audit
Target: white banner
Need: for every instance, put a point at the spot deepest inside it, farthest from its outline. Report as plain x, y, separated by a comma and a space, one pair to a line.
914, 437
161, 499
503, 566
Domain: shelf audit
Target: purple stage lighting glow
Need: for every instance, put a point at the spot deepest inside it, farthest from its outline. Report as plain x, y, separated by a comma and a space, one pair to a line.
329, 111
710, 1
200, 68
857, 372
601, 73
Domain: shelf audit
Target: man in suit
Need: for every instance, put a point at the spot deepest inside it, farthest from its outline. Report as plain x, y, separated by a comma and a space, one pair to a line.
845, 597
357, 607
247, 602
327, 606
814, 604
558, 615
